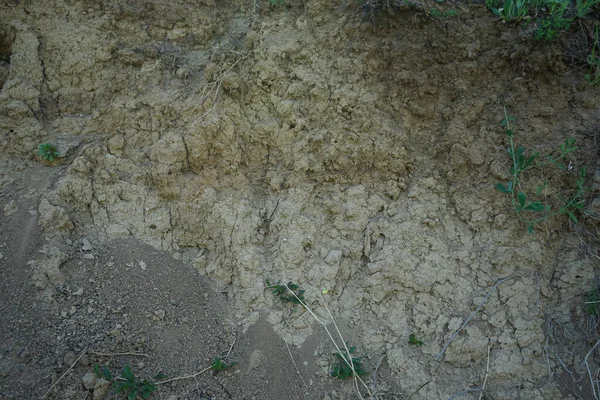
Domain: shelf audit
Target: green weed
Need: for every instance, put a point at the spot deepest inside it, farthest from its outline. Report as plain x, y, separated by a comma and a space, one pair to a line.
219, 365
346, 365
128, 383
593, 60
535, 211
48, 151
493, 4
512, 10
551, 27
592, 301
585, 7
412, 340
290, 294
442, 14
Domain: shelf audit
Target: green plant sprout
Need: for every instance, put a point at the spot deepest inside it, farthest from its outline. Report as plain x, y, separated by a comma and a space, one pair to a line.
592, 301
47, 151
512, 10
585, 7
442, 14
279, 290
593, 60
551, 27
346, 365
128, 383
412, 340
531, 212
219, 365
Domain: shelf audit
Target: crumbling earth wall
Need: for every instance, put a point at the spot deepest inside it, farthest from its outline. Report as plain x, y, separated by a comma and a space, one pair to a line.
303, 143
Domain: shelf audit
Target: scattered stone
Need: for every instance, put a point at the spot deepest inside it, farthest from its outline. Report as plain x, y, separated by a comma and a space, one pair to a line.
115, 145
73, 310
87, 246
69, 358
88, 256
114, 333
79, 292
53, 219
142, 265
101, 388
10, 208
5, 368
46, 272
333, 257
89, 380
159, 315
177, 256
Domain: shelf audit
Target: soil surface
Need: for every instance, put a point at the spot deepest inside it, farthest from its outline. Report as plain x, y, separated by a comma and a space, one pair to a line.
207, 147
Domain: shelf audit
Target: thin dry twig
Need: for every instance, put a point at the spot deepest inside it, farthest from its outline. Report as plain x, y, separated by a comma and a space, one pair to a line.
183, 377
231, 347
63, 375
374, 385
487, 296
487, 371
11, 5
216, 87
417, 391
194, 375
349, 363
119, 354
295, 366
593, 382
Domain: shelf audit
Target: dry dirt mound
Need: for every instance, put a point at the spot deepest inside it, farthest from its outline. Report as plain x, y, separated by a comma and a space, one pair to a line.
211, 146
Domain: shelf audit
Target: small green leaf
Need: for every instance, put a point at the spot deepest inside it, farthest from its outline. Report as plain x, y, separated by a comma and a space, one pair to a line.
572, 216
530, 160
578, 205
535, 206
127, 373
539, 189
500, 187
522, 198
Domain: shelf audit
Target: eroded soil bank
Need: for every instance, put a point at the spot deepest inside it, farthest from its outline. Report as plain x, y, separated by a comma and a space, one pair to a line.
210, 146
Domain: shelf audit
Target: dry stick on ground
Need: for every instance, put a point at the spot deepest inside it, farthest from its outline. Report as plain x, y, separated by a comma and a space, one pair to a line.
417, 391
294, 362
63, 375
216, 86
194, 375
487, 371
118, 354
349, 356
231, 347
348, 362
472, 315
374, 385
183, 377
594, 383
482, 388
